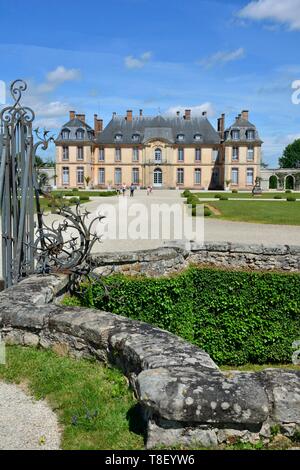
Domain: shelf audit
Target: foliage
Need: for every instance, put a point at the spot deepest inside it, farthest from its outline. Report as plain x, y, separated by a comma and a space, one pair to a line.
291, 199
85, 193
234, 191
291, 156
277, 196
237, 317
81, 392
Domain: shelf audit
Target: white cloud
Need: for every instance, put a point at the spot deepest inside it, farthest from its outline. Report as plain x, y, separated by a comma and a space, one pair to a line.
137, 62
57, 77
196, 110
222, 57
285, 12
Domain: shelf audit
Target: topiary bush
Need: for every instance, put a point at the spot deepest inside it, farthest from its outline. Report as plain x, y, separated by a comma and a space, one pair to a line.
234, 191
218, 196
186, 193
291, 199
277, 196
207, 212
223, 198
74, 200
237, 317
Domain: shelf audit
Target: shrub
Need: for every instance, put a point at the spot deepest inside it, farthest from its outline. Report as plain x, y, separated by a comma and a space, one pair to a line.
218, 196
237, 317
186, 193
234, 191
207, 212
277, 196
223, 198
74, 200
288, 191
74, 190
84, 198
291, 199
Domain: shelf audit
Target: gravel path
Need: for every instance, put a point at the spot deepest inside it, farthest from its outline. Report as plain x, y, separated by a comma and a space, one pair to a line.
26, 424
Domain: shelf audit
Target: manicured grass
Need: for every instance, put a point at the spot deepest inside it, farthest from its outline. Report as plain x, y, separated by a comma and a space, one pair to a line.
95, 407
83, 193
240, 195
281, 213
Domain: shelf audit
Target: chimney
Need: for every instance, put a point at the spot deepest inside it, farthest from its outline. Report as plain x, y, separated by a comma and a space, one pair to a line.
187, 115
129, 116
141, 112
72, 115
98, 124
81, 117
114, 114
245, 115
178, 113
204, 113
221, 125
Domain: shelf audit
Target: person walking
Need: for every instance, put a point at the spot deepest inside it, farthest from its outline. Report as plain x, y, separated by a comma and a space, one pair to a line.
132, 189
148, 190
124, 189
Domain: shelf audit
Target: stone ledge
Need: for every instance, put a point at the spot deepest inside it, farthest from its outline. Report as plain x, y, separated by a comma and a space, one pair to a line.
183, 394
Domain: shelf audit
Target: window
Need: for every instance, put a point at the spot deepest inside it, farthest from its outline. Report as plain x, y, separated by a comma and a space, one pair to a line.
80, 134
135, 137
180, 155
65, 153
79, 153
135, 175
250, 176
65, 134
197, 175
235, 176
215, 155
235, 135
118, 137
135, 154
65, 175
180, 137
250, 154
101, 176
235, 153
180, 176
198, 155
250, 135
101, 155
80, 175
198, 137
118, 155
157, 155
90, 135
118, 176
215, 176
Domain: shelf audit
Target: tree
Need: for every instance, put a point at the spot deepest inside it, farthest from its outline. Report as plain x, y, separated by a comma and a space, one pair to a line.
291, 156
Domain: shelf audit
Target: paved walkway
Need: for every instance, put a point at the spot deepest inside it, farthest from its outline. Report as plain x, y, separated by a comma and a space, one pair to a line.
214, 230
26, 424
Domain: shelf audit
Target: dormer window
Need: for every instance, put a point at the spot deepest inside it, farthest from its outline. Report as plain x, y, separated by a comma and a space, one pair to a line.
118, 137
65, 134
235, 134
198, 137
180, 137
135, 137
250, 135
80, 134
90, 135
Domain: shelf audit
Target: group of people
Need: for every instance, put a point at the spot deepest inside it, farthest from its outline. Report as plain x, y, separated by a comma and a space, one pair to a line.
132, 188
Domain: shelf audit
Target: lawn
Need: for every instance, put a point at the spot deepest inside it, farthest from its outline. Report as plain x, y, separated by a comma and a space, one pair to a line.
281, 213
95, 406
241, 195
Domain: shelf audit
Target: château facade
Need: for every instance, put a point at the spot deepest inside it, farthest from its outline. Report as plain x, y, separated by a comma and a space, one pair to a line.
164, 152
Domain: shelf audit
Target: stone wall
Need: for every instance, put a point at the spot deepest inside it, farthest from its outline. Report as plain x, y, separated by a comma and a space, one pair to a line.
171, 259
184, 396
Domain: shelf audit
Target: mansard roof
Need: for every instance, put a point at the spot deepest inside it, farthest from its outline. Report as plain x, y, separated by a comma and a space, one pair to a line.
242, 125
73, 126
160, 128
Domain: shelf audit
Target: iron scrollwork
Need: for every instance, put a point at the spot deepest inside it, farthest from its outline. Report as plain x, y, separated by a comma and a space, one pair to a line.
29, 246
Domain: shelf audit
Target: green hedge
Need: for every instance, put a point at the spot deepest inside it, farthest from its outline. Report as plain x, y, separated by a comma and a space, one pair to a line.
237, 317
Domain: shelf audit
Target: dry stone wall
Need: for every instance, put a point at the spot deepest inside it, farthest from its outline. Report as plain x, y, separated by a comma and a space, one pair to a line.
184, 396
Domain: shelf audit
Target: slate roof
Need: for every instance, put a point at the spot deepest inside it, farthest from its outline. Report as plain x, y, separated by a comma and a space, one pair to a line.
166, 128
242, 125
73, 126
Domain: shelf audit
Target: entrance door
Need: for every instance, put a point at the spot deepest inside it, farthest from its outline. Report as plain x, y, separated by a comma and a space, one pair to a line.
157, 177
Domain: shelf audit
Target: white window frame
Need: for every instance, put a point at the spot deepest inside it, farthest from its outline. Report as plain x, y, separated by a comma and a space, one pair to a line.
180, 155
135, 175
118, 154
180, 176
248, 172
197, 173
80, 175
80, 132
135, 154
198, 152
65, 154
250, 154
235, 158
158, 155
118, 179
101, 175
65, 172
236, 134
101, 154
235, 171
80, 154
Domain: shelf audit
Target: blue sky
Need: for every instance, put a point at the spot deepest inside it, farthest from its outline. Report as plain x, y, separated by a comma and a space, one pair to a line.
159, 55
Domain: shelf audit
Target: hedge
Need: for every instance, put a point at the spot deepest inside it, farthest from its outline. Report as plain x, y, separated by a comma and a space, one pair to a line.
237, 317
